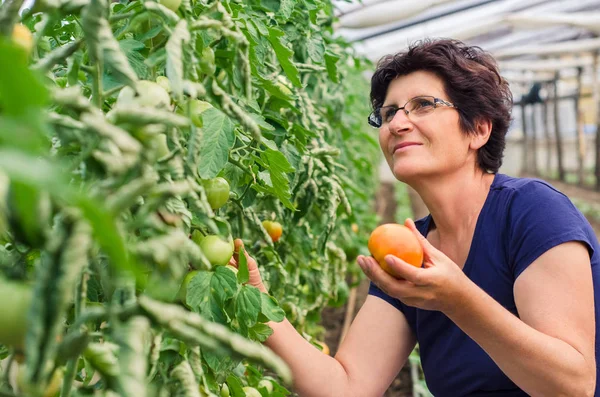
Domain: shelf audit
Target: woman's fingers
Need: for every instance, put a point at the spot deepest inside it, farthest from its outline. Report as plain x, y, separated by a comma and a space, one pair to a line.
428, 249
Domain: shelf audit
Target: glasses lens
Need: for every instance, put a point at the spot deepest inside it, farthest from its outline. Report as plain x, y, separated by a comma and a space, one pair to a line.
375, 119
420, 106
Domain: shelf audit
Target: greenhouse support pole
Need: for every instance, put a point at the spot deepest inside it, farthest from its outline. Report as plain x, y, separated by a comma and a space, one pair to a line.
597, 104
547, 136
580, 137
559, 151
533, 142
524, 157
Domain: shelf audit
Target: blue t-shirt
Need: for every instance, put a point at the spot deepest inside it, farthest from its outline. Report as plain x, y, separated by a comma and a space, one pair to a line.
520, 220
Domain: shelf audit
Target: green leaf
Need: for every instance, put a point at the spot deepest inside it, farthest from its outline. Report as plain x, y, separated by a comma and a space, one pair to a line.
178, 38
235, 386
331, 61
260, 332
243, 274
286, 8
247, 305
136, 60
284, 55
103, 47
20, 88
315, 48
270, 308
217, 138
278, 166
209, 291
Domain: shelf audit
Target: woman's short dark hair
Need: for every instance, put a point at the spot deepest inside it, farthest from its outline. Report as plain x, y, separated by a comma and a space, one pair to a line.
471, 81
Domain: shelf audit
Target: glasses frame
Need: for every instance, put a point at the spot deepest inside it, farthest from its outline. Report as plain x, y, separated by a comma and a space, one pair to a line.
376, 121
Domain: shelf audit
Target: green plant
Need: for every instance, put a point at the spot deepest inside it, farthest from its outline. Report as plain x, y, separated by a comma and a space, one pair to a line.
104, 159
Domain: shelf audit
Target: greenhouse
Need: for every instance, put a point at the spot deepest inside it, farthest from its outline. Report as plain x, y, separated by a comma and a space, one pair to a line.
314, 198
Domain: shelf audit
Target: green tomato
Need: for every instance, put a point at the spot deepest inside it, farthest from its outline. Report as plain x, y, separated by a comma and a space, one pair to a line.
14, 315
251, 392
182, 294
207, 61
217, 192
160, 144
267, 385
172, 5
224, 390
150, 94
164, 82
217, 250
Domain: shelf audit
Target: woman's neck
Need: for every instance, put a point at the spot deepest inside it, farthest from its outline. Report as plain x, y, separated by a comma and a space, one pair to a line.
455, 200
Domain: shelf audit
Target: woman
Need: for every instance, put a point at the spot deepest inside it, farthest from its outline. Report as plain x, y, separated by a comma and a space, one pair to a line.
506, 302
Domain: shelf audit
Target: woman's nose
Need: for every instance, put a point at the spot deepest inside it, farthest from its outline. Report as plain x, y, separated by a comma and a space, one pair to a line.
400, 123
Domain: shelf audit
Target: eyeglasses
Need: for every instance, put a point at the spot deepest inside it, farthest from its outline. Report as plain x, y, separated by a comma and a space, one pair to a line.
414, 109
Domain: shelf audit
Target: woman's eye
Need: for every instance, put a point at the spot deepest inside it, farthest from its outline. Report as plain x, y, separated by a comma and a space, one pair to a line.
422, 104
388, 114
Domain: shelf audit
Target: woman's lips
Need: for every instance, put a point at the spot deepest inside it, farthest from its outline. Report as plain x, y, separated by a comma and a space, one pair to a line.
404, 146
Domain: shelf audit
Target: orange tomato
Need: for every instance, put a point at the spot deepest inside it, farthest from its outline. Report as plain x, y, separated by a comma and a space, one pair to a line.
274, 229
324, 347
397, 240
22, 36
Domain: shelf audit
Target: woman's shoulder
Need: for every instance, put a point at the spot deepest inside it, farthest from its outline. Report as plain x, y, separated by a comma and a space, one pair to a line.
529, 192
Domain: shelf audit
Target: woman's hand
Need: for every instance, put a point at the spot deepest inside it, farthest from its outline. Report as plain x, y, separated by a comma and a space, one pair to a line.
255, 278
435, 286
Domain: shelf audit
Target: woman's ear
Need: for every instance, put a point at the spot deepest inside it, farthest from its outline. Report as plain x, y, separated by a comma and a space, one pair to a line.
483, 130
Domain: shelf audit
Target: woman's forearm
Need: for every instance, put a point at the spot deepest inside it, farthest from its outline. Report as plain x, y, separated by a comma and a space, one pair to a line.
315, 373
539, 364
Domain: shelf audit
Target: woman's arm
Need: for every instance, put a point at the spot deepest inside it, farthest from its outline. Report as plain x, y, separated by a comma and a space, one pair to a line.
549, 350
376, 347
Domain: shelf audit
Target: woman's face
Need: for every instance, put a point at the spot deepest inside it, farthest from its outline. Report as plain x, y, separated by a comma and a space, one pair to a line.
433, 144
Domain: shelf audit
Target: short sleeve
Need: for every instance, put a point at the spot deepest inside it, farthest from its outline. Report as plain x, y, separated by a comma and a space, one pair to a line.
541, 218
376, 291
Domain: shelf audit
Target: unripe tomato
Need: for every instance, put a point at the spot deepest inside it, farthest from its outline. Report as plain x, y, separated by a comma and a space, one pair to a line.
224, 390
217, 250
14, 315
274, 229
397, 240
267, 384
164, 82
251, 392
207, 61
182, 294
284, 85
217, 192
22, 36
160, 143
52, 388
150, 94
172, 5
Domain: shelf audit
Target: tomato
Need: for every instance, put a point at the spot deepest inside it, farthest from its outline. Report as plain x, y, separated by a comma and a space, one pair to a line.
150, 94
267, 384
14, 315
217, 192
354, 227
207, 61
324, 347
160, 143
397, 240
274, 229
217, 250
224, 390
22, 36
284, 85
182, 294
251, 392
172, 5
164, 82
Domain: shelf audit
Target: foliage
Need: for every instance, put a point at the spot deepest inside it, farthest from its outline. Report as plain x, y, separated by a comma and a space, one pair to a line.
101, 190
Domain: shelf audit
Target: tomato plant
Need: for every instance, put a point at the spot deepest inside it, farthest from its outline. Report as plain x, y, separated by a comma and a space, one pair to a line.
397, 240
136, 139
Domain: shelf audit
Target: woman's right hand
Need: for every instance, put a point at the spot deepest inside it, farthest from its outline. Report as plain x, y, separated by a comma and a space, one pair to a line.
255, 278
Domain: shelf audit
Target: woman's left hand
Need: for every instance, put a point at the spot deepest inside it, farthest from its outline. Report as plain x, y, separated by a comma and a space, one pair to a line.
438, 285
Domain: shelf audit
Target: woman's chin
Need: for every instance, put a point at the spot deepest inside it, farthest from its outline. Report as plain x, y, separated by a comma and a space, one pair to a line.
406, 172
